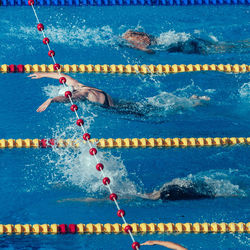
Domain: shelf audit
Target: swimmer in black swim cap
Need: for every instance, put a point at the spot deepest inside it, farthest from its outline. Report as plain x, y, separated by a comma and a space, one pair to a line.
171, 191
187, 190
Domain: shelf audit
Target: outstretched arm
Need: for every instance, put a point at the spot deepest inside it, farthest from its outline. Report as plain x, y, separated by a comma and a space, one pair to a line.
46, 104
69, 80
168, 244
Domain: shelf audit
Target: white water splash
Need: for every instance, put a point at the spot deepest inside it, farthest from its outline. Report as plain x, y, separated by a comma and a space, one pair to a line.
169, 101
171, 37
77, 167
244, 92
84, 36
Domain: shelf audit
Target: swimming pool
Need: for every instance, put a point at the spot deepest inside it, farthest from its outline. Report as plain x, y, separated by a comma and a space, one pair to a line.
33, 181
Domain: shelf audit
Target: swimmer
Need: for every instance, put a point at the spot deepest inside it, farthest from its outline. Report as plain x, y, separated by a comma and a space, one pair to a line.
82, 92
142, 41
79, 91
168, 244
175, 190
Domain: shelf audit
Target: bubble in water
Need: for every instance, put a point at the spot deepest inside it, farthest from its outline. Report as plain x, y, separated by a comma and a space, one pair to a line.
244, 92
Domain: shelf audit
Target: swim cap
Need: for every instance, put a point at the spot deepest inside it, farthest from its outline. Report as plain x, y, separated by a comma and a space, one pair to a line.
63, 89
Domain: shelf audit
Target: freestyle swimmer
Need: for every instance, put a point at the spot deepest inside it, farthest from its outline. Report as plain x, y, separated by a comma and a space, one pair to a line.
142, 41
79, 91
168, 244
187, 190
171, 191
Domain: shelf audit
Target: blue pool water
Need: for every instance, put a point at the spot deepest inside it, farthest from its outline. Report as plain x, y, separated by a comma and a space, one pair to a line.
34, 181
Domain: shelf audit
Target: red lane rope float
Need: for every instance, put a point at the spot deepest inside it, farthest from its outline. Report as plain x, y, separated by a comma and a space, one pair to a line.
86, 136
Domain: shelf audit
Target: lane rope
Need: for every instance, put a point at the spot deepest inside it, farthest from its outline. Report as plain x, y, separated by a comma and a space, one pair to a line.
126, 69
127, 142
116, 228
86, 136
124, 2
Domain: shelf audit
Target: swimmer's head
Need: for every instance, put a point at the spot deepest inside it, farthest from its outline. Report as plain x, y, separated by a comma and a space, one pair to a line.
136, 37
129, 34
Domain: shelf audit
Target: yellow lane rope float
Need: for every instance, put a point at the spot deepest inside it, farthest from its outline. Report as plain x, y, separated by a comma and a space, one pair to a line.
127, 69
127, 142
118, 228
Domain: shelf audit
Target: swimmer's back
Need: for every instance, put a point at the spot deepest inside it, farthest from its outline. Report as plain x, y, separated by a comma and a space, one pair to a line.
107, 100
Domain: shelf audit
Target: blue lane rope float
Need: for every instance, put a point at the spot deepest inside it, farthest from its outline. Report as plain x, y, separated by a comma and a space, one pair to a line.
123, 2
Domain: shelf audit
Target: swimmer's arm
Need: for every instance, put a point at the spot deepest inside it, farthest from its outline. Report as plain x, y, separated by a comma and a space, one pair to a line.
141, 47
81, 95
168, 244
46, 104
60, 99
69, 80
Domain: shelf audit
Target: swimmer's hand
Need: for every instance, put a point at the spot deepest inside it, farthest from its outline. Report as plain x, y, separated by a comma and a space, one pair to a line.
44, 106
149, 243
168, 244
36, 75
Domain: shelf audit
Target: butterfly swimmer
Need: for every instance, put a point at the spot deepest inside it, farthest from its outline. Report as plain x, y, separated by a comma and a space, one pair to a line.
79, 91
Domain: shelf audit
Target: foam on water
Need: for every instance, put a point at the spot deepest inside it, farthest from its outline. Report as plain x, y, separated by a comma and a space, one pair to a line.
77, 167
167, 38
178, 100
84, 36
244, 92
51, 90
169, 101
